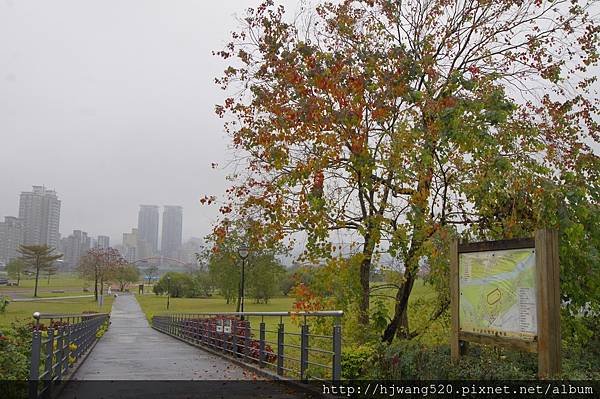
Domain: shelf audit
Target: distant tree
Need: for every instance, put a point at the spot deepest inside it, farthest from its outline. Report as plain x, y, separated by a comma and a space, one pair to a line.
15, 268
203, 283
225, 272
38, 258
264, 273
50, 271
125, 274
180, 285
151, 272
99, 264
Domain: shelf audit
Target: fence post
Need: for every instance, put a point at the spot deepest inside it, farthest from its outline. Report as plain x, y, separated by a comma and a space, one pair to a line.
65, 359
48, 366
234, 338
303, 350
59, 356
280, 335
34, 370
337, 353
262, 344
247, 349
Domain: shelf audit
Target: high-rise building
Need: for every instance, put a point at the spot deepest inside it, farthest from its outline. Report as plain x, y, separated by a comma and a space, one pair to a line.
11, 236
171, 231
74, 247
103, 242
148, 226
189, 249
39, 211
130, 245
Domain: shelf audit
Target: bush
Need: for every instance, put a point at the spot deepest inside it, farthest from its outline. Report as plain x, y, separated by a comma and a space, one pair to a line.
357, 361
15, 347
181, 285
3, 303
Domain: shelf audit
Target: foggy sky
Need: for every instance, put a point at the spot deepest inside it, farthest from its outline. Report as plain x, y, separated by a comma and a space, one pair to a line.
111, 103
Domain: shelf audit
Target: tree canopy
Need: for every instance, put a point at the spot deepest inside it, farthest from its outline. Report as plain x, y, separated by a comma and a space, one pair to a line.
403, 124
38, 258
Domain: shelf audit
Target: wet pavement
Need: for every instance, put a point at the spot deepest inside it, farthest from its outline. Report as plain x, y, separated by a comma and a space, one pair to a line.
134, 360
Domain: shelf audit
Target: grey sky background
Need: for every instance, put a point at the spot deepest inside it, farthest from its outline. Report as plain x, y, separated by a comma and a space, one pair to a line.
111, 103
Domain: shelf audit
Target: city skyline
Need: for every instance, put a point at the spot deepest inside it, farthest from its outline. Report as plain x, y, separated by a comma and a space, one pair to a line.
37, 221
112, 135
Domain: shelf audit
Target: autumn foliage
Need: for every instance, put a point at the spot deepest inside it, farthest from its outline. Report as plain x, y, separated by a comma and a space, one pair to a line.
403, 124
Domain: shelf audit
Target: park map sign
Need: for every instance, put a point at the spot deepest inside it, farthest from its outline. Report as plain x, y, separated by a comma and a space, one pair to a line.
497, 293
507, 293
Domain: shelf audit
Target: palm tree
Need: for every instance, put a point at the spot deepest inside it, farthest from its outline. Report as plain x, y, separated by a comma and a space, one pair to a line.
38, 258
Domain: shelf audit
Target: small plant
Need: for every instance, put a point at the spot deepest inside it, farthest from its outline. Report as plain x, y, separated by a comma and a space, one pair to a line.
3, 303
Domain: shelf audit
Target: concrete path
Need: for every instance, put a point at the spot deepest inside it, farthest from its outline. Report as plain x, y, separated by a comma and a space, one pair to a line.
142, 361
132, 350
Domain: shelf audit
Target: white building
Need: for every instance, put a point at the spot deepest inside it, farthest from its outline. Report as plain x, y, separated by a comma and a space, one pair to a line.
39, 211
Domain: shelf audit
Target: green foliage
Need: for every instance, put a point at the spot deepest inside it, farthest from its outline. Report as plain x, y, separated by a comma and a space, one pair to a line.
102, 330
356, 361
38, 258
224, 270
264, 273
15, 269
15, 347
125, 274
178, 285
4, 301
151, 272
203, 284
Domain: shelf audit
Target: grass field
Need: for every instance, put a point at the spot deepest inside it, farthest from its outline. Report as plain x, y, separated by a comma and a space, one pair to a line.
71, 284
23, 311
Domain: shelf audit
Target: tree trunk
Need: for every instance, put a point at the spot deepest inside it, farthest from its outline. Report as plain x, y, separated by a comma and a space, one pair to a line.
96, 286
399, 323
365, 272
37, 276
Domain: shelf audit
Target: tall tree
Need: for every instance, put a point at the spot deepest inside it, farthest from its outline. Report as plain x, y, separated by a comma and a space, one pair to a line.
99, 264
125, 274
49, 272
393, 122
15, 269
38, 258
151, 272
263, 276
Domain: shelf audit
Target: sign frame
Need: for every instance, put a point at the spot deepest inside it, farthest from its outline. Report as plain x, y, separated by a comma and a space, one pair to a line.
547, 342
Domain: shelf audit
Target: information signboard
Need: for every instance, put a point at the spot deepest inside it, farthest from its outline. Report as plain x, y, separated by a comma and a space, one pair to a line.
507, 293
497, 293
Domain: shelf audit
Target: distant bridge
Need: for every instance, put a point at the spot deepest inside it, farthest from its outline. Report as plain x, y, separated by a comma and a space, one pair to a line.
161, 260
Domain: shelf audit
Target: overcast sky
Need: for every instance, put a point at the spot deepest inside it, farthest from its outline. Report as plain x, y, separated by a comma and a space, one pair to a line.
111, 103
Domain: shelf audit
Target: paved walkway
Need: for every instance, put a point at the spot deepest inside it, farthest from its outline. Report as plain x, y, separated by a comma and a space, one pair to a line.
132, 351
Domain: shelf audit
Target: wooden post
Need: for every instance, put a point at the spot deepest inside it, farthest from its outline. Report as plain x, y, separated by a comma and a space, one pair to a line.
454, 302
548, 303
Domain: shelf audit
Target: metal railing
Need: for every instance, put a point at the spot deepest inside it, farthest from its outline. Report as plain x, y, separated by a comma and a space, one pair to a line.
57, 346
307, 347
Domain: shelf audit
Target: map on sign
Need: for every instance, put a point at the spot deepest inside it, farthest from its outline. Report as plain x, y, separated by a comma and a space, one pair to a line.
497, 293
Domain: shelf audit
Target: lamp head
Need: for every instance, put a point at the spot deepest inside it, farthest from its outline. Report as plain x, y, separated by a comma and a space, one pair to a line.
243, 251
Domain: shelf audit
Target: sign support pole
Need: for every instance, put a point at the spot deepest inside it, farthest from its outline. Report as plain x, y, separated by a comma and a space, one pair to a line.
548, 303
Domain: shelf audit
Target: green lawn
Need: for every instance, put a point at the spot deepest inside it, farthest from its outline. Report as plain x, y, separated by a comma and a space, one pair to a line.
23, 311
71, 284
153, 304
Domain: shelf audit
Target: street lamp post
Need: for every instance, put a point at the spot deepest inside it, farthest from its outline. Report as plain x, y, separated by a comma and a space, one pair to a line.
168, 291
243, 253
